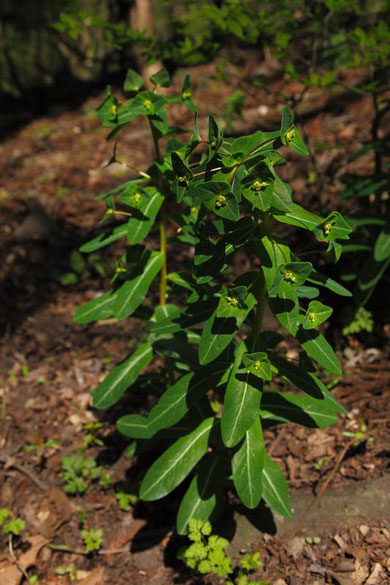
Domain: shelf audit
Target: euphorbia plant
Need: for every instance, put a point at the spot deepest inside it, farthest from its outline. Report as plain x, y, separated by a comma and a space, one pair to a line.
221, 195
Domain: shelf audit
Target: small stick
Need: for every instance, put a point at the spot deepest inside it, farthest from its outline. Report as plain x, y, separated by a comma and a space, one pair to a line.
79, 551
15, 560
10, 463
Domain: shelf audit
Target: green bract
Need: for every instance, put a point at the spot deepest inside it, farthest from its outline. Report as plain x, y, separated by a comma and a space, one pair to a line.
221, 196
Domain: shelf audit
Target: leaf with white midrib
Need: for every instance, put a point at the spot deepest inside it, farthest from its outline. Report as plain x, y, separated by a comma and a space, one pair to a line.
132, 292
98, 308
161, 478
121, 377
275, 496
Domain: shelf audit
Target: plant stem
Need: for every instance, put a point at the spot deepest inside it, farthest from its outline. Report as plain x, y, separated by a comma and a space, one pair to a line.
262, 300
163, 248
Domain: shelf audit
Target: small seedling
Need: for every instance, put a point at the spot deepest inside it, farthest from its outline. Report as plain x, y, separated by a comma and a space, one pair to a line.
321, 462
69, 570
79, 474
207, 553
91, 437
9, 524
126, 500
93, 539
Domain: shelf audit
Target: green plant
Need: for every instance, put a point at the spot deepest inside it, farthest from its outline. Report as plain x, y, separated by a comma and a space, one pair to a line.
91, 438
93, 539
79, 473
215, 195
207, 553
69, 570
357, 321
9, 524
125, 496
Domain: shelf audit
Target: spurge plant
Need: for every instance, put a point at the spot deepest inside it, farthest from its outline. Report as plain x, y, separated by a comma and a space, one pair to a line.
210, 198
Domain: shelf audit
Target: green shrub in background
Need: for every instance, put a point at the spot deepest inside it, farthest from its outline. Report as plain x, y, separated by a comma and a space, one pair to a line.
220, 195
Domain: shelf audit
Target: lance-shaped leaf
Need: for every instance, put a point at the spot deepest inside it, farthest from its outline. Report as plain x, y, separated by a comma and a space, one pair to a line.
319, 349
247, 466
305, 381
178, 399
281, 196
176, 463
273, 253
147, 207
134, 426
304, 410
131, 294
334, 227
287, 122
122, 377
242, 402
258, 364
186, 94
382, 244
215, 137
200, 500
299, 217
275, 490
219, 331
96, 309
322, 280
105, 239
316, 314
182, 172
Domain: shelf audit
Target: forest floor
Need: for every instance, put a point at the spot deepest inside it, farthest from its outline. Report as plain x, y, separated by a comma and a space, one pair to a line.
51, 170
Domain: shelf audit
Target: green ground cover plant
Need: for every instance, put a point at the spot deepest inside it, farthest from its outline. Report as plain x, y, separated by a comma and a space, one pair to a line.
225, 377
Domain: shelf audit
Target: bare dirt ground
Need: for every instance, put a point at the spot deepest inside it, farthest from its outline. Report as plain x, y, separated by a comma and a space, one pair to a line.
51, 169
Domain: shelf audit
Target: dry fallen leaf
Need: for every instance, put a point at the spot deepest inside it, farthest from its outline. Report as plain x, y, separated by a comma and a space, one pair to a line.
96, 577
11, 574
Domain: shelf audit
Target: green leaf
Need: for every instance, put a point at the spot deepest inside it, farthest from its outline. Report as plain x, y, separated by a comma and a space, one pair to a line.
285, 307
319, 349
273, 253
176, 400
161, 78
133, 82
186, 94
247, 466
275, 490
281, 196
176, 463
332, 228
258, 364
382, 244
299, 217
140, 225
134, 426
105, 239
287, 122
322, 280
219, 332
242, 402
316, 314
258, 187
288, 277
96, 309
121, 377
217, 197
246, 144
304, 410
200, 499
297, 143
131, 294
